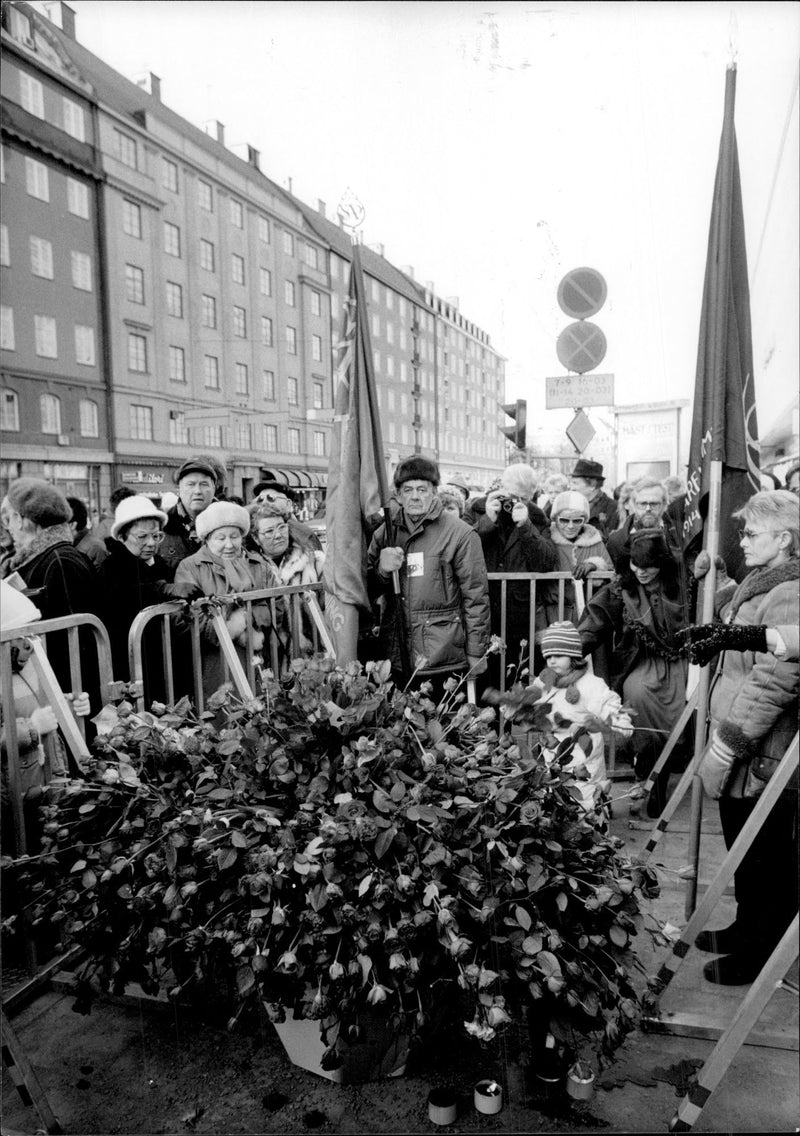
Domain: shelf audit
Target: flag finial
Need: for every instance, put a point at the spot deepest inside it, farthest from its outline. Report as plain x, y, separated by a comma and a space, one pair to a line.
351, 213
733, 39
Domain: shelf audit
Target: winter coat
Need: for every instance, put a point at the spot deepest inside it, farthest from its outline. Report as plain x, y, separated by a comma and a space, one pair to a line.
518, 548
589, 546
603, 514
444, 592
753, 702
180, 539
91, 546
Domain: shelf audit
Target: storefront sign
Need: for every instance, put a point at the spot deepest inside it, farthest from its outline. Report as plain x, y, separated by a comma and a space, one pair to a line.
141, 477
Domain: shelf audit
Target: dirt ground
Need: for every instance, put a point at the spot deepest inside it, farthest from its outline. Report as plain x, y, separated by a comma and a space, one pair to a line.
140, 1068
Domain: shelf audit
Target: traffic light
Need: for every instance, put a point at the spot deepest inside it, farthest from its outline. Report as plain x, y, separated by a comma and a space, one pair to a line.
519, 412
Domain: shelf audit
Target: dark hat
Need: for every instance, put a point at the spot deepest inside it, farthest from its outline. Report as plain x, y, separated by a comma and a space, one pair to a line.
39, 501
198, 465
648, 548
586, 468
416, 468
276, 487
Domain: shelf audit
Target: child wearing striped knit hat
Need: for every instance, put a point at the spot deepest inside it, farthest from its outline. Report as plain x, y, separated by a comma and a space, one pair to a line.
583, 707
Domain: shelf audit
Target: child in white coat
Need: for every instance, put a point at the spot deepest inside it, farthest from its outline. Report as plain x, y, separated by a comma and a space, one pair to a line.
582, 706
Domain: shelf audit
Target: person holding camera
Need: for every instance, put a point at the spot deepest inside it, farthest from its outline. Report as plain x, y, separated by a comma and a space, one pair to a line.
512, 542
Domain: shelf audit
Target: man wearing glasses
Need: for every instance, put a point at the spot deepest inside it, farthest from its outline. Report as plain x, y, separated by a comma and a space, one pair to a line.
438, 624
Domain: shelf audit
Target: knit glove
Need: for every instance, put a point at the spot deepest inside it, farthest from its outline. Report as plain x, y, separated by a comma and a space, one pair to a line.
581, 571
716, 766
706, 640
43, 720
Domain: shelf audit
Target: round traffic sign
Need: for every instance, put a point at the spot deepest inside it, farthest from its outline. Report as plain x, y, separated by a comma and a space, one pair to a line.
582, 293
581, 347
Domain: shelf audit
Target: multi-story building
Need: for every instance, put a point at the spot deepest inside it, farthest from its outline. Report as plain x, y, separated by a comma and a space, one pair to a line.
154, 274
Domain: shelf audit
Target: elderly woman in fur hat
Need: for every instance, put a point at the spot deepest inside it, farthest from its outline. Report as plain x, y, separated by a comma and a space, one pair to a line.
223, 566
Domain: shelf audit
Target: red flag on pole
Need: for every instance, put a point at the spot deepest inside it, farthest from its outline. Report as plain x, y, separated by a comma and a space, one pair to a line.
357, 486
724, 427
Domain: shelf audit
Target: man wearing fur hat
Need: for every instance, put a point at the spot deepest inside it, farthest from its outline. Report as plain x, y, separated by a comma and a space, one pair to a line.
587, 478
442, 613
512, 542
198, 481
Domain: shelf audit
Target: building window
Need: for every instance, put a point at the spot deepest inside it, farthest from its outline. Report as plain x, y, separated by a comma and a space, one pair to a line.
174, 300
172, 239
237, 268
319, 443
270, 438
131, 219
237, 214
141, 418
20, 25
211, 371
316, 304
208, 312
291, 340
169, 175
376, 324
376, 360
242, 379
376, 292
81, 270
37, 181
212, 437
293, 440
9, 410
74, 120
5, 255
289, 293
126, 148
288, 244
134, 284
31, 94
177, 364
292, 392
389, 299
205, 198
316, 348
389, 328
137, 352
311, 256
50, 412
84, 345
268, 383
178, 430
41, 258
335, 310
242, 435
6, 328
45, 336
90, 422
319, 395
77, 198
265, 281
239, 323
263, 230
266, 331
390, 366
206, 255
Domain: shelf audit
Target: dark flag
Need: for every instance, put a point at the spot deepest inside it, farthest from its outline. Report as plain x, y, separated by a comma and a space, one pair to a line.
357, 488
724, 427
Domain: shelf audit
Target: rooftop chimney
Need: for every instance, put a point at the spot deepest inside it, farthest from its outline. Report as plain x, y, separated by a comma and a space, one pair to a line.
150, 83
215, 130
408, 269
253, 157
430, 286
379, 249
289, 184
320, 207
452, 301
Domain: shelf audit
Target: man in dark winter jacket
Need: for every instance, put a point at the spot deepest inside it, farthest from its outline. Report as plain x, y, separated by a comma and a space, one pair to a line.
442, 613
587, 478
198, 481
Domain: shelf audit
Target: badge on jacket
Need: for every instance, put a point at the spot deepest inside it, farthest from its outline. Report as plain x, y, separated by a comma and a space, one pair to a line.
415, 564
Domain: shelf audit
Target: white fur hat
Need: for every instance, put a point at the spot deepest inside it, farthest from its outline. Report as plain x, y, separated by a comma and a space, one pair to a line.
136, 508
15, 608
570, 499
221, 513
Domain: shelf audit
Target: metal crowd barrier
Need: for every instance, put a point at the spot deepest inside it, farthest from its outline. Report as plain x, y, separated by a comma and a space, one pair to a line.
278, 649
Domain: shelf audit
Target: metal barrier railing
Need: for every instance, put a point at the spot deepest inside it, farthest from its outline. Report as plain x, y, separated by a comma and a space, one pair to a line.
283, 638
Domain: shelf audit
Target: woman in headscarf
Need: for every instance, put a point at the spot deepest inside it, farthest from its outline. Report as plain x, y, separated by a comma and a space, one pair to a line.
223, 566
753, 708
638, 616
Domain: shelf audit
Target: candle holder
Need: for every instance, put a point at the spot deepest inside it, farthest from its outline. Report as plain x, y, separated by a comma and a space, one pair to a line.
442, 1106
488, 1097
580, 1081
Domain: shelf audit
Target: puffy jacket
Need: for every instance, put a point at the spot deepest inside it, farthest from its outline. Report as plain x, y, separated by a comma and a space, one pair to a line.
444, 592
753, 700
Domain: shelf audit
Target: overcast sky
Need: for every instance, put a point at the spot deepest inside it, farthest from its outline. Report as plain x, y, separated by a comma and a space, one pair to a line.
495, 146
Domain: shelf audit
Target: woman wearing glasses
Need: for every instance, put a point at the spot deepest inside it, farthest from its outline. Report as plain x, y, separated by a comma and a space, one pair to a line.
580, 547
133, 576
291, 549
753, 709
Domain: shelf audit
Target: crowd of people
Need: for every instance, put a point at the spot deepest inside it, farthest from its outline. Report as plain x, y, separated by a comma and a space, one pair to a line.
616, 661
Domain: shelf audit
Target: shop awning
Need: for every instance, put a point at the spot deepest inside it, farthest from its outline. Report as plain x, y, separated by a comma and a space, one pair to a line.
295, 478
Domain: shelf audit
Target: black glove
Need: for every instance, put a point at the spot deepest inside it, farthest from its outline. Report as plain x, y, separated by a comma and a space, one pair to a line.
706, 640
581, 571
187, 591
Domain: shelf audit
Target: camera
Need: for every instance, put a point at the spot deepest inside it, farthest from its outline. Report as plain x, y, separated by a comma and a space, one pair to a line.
508, 503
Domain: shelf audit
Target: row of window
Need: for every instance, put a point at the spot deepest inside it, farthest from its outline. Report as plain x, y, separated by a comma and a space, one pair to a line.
31, 96
49, 414
41, 259
246, 435
37, 184
46, 337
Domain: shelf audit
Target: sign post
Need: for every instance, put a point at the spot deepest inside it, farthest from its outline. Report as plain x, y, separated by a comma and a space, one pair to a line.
581, 347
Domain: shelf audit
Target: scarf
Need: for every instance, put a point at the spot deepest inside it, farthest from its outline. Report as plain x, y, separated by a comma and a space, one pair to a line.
46, 538
762, 580
297, 567
565, 682
238, 576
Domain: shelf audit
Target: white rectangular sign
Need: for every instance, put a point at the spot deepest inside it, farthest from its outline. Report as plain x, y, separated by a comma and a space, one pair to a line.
579, 390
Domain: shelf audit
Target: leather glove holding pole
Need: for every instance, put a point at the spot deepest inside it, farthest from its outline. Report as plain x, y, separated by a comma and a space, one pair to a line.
705, 641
